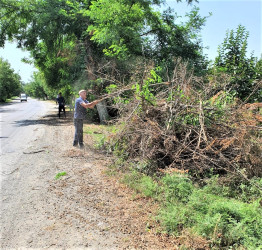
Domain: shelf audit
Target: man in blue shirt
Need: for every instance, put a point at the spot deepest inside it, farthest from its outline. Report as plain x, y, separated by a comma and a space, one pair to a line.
81, 105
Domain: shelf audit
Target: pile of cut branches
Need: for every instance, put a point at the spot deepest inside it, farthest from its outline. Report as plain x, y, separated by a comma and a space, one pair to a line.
190, 124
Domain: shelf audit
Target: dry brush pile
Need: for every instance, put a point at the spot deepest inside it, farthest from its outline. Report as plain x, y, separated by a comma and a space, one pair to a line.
190, 124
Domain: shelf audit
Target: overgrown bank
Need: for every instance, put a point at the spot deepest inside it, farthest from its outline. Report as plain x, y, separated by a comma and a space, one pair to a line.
211, 214
188, 126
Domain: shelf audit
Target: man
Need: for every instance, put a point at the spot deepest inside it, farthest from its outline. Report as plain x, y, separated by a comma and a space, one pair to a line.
61, 104
81, 105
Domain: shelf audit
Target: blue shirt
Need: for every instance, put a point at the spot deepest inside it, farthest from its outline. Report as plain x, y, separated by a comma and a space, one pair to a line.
80, 112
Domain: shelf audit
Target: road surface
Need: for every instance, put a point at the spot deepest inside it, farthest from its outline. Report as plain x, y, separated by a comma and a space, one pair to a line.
84, 209
18, 120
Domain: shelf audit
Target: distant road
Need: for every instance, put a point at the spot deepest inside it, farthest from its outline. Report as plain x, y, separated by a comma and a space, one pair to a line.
16, 123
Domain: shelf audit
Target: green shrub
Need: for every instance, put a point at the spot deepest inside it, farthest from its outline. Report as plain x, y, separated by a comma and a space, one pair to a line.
244, 191
148, 187
177, 187
225, 222
208, 211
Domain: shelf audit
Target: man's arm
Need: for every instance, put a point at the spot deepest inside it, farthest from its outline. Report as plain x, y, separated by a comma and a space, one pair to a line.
89, 105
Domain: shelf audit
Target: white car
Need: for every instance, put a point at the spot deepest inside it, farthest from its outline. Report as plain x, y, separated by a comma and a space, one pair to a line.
23, 97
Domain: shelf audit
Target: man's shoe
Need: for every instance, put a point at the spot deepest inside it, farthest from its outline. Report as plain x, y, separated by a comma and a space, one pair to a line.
82, 146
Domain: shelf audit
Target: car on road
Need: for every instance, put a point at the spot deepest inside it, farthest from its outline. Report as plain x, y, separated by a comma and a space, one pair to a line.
23, 97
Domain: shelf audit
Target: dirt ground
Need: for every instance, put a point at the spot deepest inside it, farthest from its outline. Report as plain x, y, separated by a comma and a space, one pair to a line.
84, 209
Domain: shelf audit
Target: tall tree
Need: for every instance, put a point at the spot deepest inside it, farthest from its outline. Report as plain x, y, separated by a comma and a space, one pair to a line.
233, 59
117, 28
126, 28
68, 37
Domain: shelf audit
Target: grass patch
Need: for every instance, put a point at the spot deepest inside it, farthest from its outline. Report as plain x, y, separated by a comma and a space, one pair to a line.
99, 134
141, 184
59, 175
225, 222
11, 99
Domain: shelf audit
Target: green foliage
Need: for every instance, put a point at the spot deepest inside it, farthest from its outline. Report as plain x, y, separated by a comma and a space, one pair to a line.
126, 28
144, 91
67, 93
38, 88
246, 191
177, 187
48, 29
118, 25
205, 211
10, 82
233, 59
249, 191
100, 138
123, 99
176, 39
221, 104
226, 222
142, 183
67, 37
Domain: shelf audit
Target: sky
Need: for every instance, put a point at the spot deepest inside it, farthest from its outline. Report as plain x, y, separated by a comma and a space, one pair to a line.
14, 55
226, 15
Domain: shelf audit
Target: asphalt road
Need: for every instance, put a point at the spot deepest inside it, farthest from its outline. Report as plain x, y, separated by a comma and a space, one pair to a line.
17, 120
20, 126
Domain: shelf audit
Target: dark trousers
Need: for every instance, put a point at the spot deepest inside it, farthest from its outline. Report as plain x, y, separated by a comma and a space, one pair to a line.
60, 109
78, 132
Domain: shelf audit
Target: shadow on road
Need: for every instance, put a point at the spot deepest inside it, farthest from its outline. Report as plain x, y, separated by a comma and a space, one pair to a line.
48, 120
8, 110
13, 101
7, 104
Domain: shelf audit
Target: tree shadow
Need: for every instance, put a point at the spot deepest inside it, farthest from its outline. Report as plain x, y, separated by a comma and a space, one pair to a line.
48, 120
8, 104
13, 101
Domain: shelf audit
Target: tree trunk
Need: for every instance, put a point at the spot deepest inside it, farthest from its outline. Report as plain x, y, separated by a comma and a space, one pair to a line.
102, 111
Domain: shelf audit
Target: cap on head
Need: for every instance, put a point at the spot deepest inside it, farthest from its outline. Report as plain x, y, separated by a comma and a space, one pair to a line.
81, 91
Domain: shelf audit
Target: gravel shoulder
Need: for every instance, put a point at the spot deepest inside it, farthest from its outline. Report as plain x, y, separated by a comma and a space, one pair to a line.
84, 209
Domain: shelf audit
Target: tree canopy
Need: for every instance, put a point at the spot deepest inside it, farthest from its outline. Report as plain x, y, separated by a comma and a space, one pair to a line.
55, 32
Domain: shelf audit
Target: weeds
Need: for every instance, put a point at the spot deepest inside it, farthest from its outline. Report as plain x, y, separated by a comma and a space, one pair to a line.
99, 134
204, 211
59, 175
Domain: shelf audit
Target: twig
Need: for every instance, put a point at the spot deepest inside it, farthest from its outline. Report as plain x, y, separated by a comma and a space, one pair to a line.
34, 152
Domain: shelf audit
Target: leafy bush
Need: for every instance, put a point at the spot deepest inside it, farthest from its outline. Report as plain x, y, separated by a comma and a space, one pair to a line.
223, 221
177, 187
246, 191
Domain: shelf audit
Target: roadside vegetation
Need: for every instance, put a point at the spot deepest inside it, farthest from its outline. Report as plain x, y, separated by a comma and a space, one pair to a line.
181, 130
196, 154
10, 82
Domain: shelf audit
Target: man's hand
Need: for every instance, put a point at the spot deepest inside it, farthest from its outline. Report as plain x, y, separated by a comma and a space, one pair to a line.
96, 102
93, 104
90, 105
